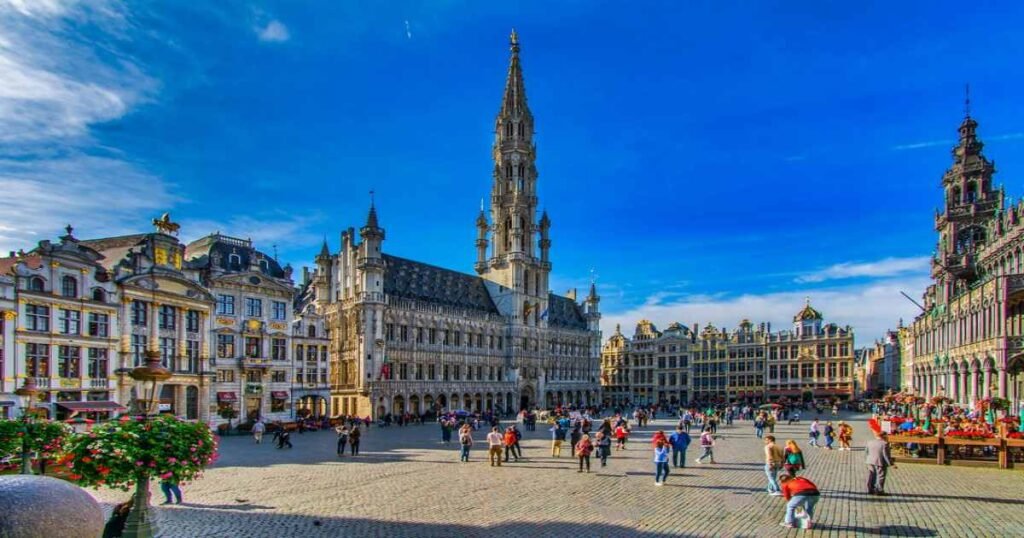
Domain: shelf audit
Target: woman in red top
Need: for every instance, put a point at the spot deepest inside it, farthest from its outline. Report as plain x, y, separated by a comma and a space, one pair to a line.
510, 440
659, 437
583, 450
621, 434
799, 492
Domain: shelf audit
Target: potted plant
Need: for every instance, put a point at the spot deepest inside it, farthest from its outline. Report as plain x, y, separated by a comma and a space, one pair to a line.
26, 436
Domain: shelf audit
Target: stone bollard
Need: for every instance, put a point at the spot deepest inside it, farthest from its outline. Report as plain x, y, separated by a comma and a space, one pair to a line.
41, 506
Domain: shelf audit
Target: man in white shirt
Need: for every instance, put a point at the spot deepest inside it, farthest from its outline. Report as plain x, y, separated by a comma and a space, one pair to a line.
494, 443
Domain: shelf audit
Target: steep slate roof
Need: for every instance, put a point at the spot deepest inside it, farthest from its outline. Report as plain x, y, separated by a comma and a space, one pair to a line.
565, 313
415, 280
200, 253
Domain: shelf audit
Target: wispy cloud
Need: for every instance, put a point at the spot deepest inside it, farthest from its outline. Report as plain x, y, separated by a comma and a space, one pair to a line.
408, 31
877, 269
1008, 136
274, 31
919, 145
265, 230
870, 308
64, 71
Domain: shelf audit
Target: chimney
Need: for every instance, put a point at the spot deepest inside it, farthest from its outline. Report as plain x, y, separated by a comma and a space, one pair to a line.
305, 275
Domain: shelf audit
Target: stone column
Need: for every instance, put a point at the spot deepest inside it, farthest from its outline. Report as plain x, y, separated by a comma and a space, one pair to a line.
987, 383
1001, 372
973, 380
154, 320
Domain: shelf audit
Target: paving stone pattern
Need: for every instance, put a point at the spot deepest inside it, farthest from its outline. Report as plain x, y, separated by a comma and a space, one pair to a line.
405, 483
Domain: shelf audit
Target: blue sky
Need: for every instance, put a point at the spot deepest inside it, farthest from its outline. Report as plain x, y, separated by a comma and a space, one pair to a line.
709, 161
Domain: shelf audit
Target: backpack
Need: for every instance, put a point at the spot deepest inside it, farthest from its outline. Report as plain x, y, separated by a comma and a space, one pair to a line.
465, 440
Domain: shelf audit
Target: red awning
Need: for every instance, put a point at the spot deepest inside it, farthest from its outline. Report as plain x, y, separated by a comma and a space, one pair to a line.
279, 395
91, 406
227, 397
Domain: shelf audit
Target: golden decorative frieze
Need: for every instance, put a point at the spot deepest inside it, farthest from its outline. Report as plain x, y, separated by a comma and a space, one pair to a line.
225, 321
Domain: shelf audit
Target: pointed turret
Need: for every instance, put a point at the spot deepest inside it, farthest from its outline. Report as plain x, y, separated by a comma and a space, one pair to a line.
325, 251
514, 101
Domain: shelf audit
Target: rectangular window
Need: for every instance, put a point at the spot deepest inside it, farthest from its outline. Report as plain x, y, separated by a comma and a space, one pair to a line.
192, 355
70, 321
298, 375
140, 313
821, 369
279, 310
192, 318
389, 332
254, 376
253, 347
806, 370
419, 335
253, 307
225, 346
444, 373
37, 360
37, 318
432, 336
431, 372
299, 349
403, 333
844, 369
98, 363
226, 305
168, 317
311, 354
99, 325
138, 349
278, 349
323, 353
69, 361
279, 376
169, 353
832, 369
225, 376
457, 372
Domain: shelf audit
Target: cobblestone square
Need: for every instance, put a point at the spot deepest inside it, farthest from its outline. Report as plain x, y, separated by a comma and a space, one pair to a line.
406, 483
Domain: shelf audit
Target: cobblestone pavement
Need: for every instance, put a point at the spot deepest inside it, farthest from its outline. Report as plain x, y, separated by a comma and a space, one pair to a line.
405, 483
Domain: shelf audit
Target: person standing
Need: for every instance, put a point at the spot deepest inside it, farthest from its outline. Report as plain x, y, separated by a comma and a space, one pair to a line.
582, 451
759, 426
621, 435
799, 492
680, 441
687, 420
707, 445
660, 463
342, 432
794, 458
575, 435
829, 434
284, 438
557, 438
257, 431
813, 434
465, 441
604, 447
773, 458
494, 442
518, 448
878, 461
845, 435
353, 440
510, 441
168, 486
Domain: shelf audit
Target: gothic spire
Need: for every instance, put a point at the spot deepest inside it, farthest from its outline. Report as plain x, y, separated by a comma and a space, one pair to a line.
371, 218
513, 102
325, 251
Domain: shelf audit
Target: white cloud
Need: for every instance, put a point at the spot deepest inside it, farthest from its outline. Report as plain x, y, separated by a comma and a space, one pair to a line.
274, 32
98, 195
265, 231
881, 268
869, 308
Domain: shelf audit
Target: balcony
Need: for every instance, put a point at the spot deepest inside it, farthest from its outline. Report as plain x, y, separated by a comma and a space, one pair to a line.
253, 363
43, 382
99, 383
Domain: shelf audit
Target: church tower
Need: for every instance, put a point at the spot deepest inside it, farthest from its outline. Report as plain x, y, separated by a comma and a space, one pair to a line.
971, 205
519, 262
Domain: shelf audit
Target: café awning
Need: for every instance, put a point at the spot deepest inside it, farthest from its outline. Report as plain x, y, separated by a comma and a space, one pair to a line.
227, 397
279, 395
82, 407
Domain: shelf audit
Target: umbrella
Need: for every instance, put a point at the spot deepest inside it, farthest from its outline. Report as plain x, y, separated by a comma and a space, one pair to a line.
770, 406
80, 420
462, 413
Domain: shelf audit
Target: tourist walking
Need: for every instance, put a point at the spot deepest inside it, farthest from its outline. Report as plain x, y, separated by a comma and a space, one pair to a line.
759, 426
773, 459
342, 432
845, 435
687, 421
829, 434
707, 445
494, 442
799, 492
878, 460
516, 446
660, 463
353, 440
604, 447
583, 450
794, 458
575, 435
169, 486
557, 438
680, 441
284, 437
813, 433
257, 431
621, 436
465, 441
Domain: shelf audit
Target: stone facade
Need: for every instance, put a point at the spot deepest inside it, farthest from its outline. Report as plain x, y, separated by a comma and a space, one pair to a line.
409, 336
750, 363
968, 344
9, 374
883, 365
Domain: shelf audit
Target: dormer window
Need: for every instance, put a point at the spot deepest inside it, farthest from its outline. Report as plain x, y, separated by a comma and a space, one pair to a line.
265, 265
234, 261
311, 331
69, 286
35, 284
99, 295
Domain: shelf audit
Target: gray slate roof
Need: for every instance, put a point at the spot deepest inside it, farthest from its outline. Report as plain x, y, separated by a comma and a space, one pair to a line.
563, 312
420, 281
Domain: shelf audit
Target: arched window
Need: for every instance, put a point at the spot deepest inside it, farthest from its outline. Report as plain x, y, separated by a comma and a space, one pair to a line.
35, 284
265, 265
99, 295
234, 261
69, 286
971, 193
311, 331
954, 196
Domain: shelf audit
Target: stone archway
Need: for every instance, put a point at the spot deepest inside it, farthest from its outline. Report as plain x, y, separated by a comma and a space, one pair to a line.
398, 405
526, 397
414, 404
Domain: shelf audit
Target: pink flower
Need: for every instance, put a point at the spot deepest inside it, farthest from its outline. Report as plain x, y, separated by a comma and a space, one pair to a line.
166, 475
139, 464
172, 459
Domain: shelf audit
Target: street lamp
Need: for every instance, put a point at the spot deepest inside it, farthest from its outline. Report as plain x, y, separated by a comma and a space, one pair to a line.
149, 378
27, 394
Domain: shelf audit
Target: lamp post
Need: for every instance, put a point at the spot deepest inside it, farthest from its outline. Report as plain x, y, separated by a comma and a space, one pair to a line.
27, 393
149, 378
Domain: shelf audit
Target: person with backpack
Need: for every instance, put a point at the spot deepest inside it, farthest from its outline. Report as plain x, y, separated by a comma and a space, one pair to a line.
759, 426
466, 442
557, 438
707, 445
604, 447
583, 450
509, 440
621, 436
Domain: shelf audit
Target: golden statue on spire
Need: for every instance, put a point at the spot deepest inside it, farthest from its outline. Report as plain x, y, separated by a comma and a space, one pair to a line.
165, 226
513, 41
